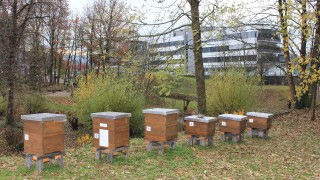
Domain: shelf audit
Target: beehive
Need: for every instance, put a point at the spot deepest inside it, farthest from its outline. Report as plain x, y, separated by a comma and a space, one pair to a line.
160, 124
110, 129
43, 133
230, 123
259, 120
204, 126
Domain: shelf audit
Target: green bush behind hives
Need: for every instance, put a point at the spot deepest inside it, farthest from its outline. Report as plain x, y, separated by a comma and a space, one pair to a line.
34, 103
100, 94
231, 90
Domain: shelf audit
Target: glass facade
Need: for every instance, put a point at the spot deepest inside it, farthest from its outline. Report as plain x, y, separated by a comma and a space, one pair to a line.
167, 44
229, 59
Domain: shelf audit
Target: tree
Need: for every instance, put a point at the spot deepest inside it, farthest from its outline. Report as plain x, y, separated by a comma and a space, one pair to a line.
197, 49
17, 14
283, 13
22, 18
299, 23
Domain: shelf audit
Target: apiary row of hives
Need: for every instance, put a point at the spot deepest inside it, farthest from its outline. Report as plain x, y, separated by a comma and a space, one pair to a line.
44, 133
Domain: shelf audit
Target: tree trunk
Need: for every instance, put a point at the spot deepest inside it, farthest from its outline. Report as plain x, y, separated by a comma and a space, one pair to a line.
283, 10
51, 61
315, 56
11, 76
197, 49
304, 101
11, 79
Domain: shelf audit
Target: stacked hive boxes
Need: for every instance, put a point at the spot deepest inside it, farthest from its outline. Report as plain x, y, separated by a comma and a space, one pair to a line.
258, 124
110, 129
200, 128
232, 126
160, 124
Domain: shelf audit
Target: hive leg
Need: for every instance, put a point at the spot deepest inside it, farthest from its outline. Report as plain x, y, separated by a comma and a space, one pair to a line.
203, 142
190, 141
266, 134
235, 138
161, 149
98, 155
60, 161
127, 152
250, 133
261, 133
29, 160
210, 141
241, 137
149, 146
223, 137
110, 157
40, 164
172, 145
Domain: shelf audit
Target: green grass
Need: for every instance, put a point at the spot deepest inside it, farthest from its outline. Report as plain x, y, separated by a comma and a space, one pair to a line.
291, 152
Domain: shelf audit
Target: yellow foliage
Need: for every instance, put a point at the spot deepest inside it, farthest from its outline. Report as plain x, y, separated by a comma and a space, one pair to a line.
84, 140
240, 112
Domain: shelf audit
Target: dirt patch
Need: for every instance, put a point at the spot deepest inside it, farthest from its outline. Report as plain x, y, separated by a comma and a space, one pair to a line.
59, 94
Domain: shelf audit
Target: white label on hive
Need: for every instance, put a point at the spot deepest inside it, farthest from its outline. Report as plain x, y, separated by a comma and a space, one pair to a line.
250, 120
148, 128
104, 137
96, 135
103, 125
223, 123
26, 137
191, 123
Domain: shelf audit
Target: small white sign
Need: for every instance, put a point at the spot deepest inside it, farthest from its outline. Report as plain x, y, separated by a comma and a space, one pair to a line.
26, 137
250, 120
223, 123
148, 128
191, 123
103, 125
96, 135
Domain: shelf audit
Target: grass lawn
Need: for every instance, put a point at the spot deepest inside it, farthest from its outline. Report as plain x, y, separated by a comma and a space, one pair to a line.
291, 152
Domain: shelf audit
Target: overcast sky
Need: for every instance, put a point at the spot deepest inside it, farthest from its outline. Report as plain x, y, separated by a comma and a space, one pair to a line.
147, 7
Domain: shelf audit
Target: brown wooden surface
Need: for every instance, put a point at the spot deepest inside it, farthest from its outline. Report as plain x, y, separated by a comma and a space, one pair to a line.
259, 122
200, 128
163, 127
118, 132
234, 127
44, 137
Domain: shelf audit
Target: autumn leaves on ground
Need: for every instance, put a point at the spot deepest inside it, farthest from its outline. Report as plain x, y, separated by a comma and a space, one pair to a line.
291, 152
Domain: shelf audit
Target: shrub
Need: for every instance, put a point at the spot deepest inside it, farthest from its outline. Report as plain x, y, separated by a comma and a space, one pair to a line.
231, 91
3, 106
73, 121
99, 94
13, 137
84, 140
34, 104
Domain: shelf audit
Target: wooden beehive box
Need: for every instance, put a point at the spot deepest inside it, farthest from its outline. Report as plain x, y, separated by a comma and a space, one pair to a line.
160, 124
259, 120
110, 129
43, 133
235, 124
203, 127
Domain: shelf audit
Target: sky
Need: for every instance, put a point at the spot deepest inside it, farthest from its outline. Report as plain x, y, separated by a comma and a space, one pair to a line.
145, 6
151, 13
